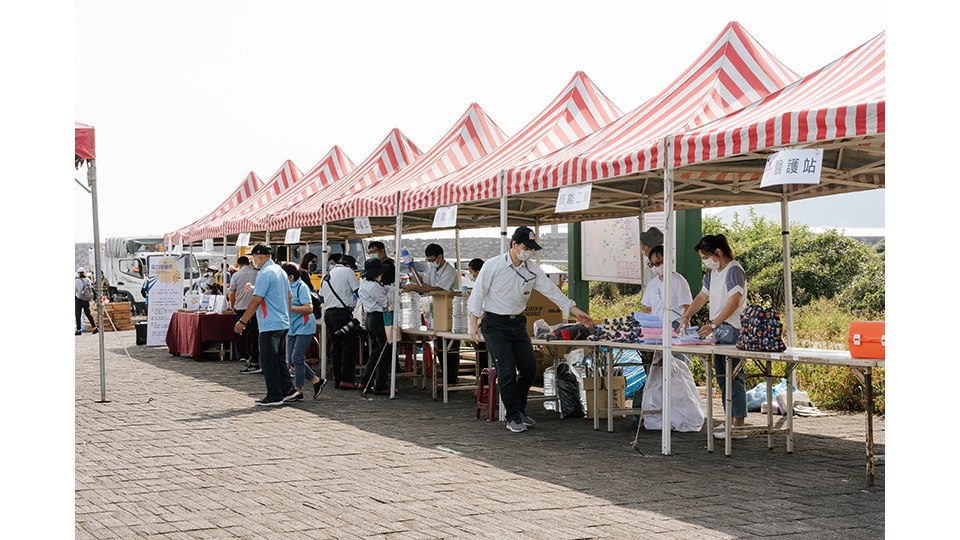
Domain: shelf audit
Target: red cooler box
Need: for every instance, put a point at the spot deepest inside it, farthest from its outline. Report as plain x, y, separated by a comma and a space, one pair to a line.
867, 339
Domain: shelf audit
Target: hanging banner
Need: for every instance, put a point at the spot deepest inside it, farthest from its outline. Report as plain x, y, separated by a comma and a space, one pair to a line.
445, 217
243, 239
164, 295
208, 244
574, 198
362, 225
801, 166
292, 237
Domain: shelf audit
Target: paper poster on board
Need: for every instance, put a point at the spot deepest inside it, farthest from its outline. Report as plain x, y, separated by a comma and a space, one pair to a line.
610, 249
165, 295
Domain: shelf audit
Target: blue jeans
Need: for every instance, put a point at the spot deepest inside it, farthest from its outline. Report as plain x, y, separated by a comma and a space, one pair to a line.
296, 352
726, 334
277, 378
509, 345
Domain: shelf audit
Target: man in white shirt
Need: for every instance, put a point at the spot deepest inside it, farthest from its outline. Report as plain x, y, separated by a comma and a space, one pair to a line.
441, 276
500, 295
337, 289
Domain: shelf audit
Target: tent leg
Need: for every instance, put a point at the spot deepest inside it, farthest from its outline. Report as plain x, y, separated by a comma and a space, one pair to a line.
98, 269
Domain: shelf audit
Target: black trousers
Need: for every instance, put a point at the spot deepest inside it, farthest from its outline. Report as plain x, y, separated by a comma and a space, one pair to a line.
509, 344
83, 307
249, 340
378, 334
343, 349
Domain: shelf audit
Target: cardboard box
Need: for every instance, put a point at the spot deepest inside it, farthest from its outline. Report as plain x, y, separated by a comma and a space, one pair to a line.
439, 310
538, 307
619, 395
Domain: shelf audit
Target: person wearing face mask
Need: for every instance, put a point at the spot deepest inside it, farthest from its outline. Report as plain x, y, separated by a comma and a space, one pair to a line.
441, 276
303, 326
725, 288
653, 292
308, 264
373, 296
500, 295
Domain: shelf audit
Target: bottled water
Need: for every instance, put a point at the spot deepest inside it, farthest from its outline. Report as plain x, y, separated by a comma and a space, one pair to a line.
461, 315
410, 311
549, 389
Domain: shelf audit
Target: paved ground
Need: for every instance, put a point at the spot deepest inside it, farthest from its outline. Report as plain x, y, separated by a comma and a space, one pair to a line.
180, 451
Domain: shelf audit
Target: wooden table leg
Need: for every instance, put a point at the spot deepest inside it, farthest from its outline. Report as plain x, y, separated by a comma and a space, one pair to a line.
868, 381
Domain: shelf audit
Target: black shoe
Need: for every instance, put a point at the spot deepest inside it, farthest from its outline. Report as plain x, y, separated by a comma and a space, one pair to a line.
251, 369
95, 330
79, 333
318, 387
294, 396
264, 403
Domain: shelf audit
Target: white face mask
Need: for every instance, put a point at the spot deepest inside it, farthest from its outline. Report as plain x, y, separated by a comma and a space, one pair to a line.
711, 264
524, 254
657, 270
434, 264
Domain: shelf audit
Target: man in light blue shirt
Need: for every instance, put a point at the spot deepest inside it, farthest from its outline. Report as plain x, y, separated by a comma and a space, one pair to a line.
270, 302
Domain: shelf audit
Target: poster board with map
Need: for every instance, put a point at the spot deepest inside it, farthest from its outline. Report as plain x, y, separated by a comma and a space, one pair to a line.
610, 249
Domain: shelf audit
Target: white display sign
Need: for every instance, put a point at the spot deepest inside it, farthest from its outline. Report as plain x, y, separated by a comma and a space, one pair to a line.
193, 302
362, 225
164, 295
243, 239
208, 244
802, 166
292, 237
574, 198
445, 217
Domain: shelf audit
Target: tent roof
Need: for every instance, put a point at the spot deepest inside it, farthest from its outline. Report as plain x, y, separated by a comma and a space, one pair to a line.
85, 141
472, 137
328, 170
242, 192
394, 153
734, 71
581, 108
286, 176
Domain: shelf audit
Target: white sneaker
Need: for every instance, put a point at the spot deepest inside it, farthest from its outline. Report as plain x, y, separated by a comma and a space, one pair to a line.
720, 433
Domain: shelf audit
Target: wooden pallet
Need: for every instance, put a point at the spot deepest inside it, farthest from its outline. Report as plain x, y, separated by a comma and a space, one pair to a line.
119, 313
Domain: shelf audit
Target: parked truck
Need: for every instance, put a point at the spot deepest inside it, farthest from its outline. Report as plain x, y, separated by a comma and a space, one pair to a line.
124, 265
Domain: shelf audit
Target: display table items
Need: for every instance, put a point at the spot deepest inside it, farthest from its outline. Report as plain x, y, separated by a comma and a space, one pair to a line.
189, 330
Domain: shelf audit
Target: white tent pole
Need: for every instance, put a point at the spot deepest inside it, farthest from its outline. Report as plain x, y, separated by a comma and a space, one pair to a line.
787, 281
325, 251
396, 299
97, 268
670, 226
504, 245
456, 233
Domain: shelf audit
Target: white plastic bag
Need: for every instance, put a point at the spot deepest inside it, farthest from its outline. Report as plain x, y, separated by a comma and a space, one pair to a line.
686, 413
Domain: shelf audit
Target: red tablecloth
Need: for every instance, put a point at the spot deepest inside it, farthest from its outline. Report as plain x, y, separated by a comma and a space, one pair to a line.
188, 331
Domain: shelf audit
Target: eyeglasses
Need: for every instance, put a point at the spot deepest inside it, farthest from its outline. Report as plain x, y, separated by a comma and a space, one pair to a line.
652, 264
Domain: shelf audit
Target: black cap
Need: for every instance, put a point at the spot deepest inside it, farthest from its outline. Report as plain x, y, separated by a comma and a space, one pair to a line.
262, 249
525, 236
372, 267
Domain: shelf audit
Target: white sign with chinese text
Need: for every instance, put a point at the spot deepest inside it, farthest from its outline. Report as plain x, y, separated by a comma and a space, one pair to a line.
574, 198
208, 244
799, 166
292, 237
445, 217
243, 239
362, 225
164, 295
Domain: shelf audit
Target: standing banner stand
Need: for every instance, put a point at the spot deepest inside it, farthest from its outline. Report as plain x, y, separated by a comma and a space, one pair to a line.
165, 286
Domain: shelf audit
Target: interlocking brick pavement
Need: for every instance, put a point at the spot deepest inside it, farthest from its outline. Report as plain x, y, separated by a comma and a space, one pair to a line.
180, 451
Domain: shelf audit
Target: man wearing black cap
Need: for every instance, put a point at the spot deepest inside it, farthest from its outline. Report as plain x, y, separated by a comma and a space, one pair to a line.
500, 295
337, 289
270, 303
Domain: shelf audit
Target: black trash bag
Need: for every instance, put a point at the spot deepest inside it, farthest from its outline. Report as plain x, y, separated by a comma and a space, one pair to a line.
568, 388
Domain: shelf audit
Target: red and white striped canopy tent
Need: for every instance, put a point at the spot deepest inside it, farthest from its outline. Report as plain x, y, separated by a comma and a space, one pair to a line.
85, 141
840, 108
734, 71
247, 188
286, 176
324, 174
580, 109
393, 154
473, 136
